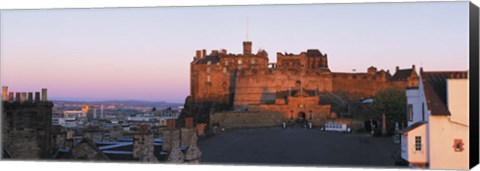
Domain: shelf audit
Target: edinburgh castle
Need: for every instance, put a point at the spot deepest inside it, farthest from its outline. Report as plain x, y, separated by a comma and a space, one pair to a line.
299, 86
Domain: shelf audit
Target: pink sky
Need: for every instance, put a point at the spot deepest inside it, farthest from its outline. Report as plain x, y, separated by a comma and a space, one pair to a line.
145, 53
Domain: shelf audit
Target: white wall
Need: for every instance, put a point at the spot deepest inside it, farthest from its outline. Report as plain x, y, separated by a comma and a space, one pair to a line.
417, 156
442, 135
413, 98
458, 101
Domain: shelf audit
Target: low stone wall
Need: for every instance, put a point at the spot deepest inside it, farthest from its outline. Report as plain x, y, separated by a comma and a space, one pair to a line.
252, 119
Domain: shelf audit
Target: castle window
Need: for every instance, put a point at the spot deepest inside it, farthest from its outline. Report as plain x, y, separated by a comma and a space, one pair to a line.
253, 61
418, 143
208, 79
239, 62
209, 70
410, 112
209, 62
224, 69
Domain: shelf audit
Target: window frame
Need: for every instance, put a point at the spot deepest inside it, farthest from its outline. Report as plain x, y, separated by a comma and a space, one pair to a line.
418, 143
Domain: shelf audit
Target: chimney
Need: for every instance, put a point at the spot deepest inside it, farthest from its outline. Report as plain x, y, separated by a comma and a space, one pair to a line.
4, 93
44, 95
224, 51
171, 124
421, 70
198, 54
214, 52
24, 97
247, 48
396, 69
17, 96
30, 96
37, 96
10, 96
204, 52
189, 122
413, 67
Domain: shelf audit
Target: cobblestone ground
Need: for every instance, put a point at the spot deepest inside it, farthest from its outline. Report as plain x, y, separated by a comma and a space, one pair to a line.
297, 146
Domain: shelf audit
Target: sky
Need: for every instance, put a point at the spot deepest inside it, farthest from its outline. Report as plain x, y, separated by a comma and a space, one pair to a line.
145, 53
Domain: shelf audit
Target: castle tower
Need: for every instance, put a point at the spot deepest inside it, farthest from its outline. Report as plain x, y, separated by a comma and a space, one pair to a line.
247, 48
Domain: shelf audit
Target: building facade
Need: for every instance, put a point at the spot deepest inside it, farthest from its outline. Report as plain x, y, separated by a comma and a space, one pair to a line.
293, 85
438, 123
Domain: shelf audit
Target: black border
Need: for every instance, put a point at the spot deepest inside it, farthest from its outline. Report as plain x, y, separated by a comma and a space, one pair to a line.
474, 81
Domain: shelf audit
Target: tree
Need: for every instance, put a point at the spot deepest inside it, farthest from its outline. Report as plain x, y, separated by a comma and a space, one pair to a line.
392, 102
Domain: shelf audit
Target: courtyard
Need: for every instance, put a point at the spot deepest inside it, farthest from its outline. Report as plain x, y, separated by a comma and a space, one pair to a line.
297, 147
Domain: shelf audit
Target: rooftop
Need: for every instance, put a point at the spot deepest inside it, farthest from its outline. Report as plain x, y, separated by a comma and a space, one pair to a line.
435, 85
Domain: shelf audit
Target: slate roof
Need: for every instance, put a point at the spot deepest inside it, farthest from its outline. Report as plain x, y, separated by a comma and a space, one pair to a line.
435, 87
212, 58
314, 53
412, 127
401, 74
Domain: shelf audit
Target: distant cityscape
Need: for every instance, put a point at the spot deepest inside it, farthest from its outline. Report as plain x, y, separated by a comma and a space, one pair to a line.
74, 114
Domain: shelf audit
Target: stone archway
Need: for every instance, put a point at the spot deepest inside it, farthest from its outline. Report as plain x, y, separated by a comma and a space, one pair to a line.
301, 116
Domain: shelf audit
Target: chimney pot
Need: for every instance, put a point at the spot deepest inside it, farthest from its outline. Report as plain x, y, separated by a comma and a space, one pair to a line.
204, 52
10, 96
198, 54
30, 96
4, 93
44, 94
17, 96
171, 124
37, 96
189, 122
24, 97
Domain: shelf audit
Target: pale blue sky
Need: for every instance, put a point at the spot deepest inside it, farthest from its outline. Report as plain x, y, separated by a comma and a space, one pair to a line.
144, 53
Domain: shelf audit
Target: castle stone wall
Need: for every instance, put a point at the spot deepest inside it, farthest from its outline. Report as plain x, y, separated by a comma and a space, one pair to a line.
253, 119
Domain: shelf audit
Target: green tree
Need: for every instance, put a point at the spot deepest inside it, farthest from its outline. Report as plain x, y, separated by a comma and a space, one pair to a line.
392, 102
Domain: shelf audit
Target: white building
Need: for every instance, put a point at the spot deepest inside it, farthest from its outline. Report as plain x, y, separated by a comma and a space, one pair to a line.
438, 123
70, 118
